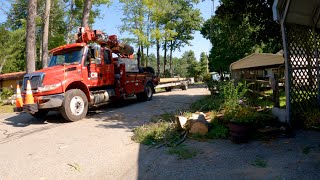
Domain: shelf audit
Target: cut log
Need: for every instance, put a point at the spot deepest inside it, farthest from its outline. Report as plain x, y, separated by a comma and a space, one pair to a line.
199, 127
181, 122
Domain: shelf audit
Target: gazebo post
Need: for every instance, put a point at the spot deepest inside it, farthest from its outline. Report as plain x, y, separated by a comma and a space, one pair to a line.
287, 67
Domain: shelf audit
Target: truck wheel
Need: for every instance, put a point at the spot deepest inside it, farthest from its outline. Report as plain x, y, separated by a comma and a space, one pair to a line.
75, 105
168, 89
147, 94
40, 115
184, 86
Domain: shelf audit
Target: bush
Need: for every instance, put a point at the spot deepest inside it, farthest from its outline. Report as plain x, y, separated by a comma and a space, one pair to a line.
218, 131
6, 93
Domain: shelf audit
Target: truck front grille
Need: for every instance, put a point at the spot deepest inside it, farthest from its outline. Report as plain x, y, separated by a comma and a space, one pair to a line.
35, 81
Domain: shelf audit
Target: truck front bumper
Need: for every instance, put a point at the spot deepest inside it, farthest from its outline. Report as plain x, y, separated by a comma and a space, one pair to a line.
44, 102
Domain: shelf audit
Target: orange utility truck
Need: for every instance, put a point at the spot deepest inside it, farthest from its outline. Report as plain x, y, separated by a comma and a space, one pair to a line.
93, 71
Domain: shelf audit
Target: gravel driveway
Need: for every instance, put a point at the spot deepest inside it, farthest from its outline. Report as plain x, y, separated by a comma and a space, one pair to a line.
99, 147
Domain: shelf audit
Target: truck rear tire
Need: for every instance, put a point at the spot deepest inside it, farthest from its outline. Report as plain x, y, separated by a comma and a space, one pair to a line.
147, 94
75, 105
168, 89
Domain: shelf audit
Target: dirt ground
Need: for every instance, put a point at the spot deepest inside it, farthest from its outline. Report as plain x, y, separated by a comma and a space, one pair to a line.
100, 147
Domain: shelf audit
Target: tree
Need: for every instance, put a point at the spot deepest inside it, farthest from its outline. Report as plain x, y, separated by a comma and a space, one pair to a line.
238, 29
45, 35
17, 13
204, 63
193, 67
31, 36
86, 13
186, 20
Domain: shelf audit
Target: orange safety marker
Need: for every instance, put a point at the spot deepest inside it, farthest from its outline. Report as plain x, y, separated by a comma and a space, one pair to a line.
29, 97
19, 102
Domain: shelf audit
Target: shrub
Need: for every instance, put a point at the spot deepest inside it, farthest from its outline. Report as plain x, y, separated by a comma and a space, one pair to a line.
6, 93
218, 131
234, 95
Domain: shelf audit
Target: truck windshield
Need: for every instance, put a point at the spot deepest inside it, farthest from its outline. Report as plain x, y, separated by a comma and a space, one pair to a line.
69, 56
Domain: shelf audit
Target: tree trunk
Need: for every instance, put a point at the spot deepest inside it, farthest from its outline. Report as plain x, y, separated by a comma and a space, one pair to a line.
31, 36
142, 56
139, 56
171, 49
70, 24
165, 58
86, 13
158, 57
2, 64
147, 59
45, 35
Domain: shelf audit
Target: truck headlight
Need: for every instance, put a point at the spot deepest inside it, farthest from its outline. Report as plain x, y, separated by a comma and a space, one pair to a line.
49, 87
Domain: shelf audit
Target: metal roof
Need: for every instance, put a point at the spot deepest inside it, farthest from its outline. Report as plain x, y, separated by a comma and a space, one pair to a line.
258, 60
14, 75
303, 12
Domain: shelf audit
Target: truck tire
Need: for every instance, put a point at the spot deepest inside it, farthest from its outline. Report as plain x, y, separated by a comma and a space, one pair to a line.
184, 86
40, 115
75, 105
168, 89
147, 94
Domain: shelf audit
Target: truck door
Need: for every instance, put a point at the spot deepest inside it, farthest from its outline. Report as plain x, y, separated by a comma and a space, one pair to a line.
107, 69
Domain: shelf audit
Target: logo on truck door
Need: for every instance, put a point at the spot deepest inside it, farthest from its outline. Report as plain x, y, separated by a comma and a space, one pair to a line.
94, 75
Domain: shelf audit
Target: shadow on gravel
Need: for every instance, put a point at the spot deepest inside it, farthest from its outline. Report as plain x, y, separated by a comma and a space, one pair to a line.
25, 119
130, 113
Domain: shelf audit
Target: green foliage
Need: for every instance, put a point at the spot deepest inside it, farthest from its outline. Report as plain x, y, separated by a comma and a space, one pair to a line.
155, 133
240, 28
182, 152
234, 95
208, 103
6, 93
312, 119
259, 162
218, 131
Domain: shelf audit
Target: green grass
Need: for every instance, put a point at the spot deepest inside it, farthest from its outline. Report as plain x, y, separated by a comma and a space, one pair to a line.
6, 108
166, 117
260, 163
208, 103
155, 133
182, 152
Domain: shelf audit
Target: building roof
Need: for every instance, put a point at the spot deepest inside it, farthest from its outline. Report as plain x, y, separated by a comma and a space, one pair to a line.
258, 60
299, 12
14, 75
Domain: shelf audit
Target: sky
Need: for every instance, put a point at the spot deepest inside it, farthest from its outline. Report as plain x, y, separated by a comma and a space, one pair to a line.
111, 21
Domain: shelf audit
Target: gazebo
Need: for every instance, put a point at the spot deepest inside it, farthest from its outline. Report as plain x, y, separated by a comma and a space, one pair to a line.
300, 29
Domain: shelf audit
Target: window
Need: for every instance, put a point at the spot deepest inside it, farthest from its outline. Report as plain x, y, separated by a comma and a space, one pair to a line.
106, 57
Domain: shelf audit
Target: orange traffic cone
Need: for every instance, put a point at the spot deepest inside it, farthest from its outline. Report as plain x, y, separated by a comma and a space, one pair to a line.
19, 102
29, 97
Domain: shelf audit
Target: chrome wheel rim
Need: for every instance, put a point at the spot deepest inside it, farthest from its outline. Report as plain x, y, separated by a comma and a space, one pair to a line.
77, 105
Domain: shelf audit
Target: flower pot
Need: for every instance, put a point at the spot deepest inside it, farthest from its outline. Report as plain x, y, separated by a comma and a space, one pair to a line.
239, 132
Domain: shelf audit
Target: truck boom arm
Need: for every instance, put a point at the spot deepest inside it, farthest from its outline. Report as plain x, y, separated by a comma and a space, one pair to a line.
87, 35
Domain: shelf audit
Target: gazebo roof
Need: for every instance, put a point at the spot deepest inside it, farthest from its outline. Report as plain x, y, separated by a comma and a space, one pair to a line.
258, 60
299, 12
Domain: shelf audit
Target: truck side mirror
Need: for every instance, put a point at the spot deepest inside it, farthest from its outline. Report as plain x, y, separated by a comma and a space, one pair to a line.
97, 50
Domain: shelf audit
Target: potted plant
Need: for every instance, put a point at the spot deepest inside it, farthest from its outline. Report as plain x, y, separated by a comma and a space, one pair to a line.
241, 122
